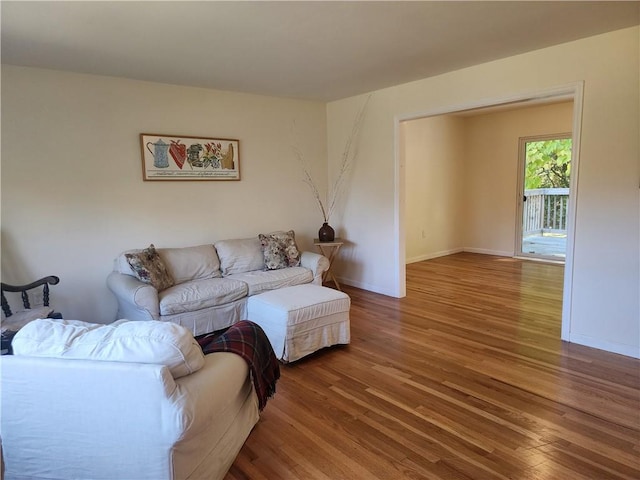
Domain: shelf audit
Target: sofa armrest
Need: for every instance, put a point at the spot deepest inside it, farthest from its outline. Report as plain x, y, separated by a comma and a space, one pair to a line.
221, 406
318, 264
200, 392
136, 300
54, 408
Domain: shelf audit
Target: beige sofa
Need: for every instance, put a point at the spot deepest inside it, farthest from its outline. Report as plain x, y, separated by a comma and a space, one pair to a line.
211, 283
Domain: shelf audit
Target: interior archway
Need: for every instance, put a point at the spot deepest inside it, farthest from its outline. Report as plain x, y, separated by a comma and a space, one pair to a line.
567, 93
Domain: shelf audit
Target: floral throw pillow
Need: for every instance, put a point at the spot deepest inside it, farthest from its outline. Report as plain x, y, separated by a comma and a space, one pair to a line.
149, 268
280, 250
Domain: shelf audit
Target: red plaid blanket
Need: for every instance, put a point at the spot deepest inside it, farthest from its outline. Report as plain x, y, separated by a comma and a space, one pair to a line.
248, 340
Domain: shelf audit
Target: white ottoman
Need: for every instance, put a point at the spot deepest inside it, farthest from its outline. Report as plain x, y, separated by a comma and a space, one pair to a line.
301, 319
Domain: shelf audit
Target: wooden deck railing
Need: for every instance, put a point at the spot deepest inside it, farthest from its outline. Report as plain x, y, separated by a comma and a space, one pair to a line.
545, 211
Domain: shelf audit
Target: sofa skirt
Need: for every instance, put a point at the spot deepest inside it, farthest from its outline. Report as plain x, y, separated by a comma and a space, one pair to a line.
210, 319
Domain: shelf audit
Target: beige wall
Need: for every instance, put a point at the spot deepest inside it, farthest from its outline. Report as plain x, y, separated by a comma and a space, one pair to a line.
433, 151
605, 311
72, 189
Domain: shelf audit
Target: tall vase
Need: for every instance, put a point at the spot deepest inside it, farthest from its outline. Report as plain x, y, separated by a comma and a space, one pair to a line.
326, 233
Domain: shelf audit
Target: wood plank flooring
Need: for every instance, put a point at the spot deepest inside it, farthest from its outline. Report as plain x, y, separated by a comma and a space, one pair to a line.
465, 378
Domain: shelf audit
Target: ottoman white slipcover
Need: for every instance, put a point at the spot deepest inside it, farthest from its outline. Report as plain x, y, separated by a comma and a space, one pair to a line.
302, 319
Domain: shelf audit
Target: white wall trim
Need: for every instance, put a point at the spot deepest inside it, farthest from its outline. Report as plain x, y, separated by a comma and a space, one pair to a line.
567, 296
481, 251
366, 286
619, 348
485, 251
525, 99
429, 256
400, 244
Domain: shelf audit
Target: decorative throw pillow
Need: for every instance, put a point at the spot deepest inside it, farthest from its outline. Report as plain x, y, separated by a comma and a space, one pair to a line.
149, 268
280, 250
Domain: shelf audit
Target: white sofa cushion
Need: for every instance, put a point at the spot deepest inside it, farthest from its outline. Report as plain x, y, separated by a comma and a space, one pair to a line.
240, 255
199, 294
154, 342
191, 263
262, 281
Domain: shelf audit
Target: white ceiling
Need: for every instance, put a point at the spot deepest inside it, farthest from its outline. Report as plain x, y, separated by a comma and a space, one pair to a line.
311, 50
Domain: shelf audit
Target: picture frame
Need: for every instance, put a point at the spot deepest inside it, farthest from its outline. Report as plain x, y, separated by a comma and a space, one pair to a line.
182, 157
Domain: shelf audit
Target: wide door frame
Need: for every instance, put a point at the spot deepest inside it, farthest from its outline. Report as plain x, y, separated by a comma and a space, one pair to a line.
573, 91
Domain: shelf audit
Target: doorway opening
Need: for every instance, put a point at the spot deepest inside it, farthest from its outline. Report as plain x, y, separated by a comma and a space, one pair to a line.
573, 92
543, 196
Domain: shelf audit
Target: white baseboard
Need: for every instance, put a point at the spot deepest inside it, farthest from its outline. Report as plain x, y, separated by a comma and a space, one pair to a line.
366, 286
484, 251
429, 256
619, 348
444, 253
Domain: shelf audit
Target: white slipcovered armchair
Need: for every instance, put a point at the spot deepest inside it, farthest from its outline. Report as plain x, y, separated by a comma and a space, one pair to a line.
130, 400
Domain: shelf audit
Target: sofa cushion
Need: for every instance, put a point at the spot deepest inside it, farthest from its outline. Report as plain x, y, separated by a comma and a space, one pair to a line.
279, 250
199, 294
262, 281
151, 341
191, 263
240, 255
149, 268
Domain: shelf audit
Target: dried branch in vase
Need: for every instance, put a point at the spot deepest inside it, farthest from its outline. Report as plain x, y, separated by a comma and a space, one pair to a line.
349, 155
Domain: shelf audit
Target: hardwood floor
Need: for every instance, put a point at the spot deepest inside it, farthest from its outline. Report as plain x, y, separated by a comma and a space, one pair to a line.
465, 378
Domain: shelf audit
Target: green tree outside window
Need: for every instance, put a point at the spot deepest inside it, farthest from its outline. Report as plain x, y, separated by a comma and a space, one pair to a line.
548, 164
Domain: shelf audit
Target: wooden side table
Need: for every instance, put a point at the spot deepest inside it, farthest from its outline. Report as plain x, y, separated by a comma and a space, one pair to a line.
329, 250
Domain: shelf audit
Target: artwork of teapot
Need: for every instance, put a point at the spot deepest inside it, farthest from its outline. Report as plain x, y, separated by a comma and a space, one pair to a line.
159, 153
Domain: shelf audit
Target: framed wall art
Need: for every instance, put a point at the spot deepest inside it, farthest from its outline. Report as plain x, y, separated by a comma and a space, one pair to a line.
173, 157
